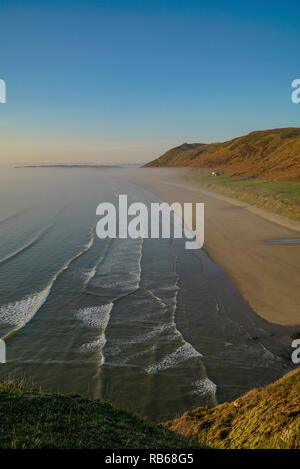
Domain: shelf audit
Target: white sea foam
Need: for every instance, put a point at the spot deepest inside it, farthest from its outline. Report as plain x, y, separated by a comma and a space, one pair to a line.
182, 353
156, 331
94, 345
159, 300
204, 387
96, 317
19, 313
140, 255
170, 287
120, 272
143, 337
88, 245
89, 275
185, 351
90, 242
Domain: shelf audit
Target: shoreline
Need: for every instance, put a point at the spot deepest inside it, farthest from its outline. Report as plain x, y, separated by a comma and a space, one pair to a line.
261, 212
236, 238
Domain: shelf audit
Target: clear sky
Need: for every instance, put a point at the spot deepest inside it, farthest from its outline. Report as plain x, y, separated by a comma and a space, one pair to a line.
123, 81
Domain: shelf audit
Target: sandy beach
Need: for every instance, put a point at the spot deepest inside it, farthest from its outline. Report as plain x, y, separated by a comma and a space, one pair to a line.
237, 237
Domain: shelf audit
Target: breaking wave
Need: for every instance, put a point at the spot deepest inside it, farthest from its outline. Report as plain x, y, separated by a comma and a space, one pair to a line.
96, 317
111, 282
19, 313
182, 353
205, 387
27, 245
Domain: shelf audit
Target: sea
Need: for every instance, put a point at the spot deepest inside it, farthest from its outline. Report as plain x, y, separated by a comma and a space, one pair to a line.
143, 324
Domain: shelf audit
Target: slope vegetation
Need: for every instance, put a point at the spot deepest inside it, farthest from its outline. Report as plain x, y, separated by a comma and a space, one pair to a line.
31, 419
268, 154
268, 417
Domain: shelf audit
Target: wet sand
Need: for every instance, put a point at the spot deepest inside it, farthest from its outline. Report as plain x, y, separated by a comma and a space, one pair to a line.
237, 237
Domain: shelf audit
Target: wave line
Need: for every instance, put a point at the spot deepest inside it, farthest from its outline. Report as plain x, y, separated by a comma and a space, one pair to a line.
40, 297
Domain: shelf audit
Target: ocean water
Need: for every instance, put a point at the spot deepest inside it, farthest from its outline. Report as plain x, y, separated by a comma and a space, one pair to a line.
144, 324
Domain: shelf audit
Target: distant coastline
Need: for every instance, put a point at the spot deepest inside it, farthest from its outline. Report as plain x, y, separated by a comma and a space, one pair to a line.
68, 166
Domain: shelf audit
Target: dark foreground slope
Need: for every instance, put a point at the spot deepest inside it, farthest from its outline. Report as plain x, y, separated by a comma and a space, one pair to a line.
268, 154
268, 417
29, 419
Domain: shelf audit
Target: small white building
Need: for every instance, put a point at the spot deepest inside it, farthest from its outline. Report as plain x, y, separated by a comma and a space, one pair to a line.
216, 173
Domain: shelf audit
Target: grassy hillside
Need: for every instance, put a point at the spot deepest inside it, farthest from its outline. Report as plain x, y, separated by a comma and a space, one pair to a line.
29, 419
268, 154
268, 417
282, 197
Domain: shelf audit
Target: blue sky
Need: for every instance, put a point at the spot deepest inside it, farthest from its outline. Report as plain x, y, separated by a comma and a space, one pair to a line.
118, 81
